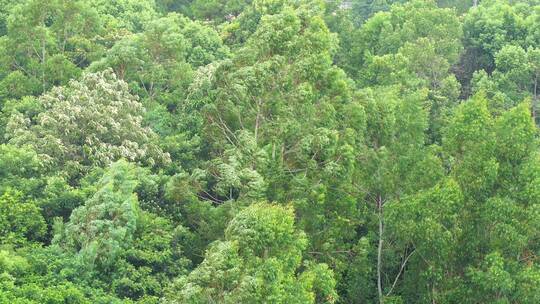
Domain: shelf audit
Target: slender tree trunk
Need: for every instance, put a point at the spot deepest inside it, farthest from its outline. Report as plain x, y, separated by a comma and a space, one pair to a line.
43, 51
475, 3
379, 250
535, 98
257, 120
43, 54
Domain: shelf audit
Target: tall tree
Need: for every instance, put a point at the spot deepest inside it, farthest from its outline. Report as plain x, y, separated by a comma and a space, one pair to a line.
47, 44
278, 121
515, 78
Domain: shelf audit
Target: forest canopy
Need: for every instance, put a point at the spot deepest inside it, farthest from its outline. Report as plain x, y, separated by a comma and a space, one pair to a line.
269, 151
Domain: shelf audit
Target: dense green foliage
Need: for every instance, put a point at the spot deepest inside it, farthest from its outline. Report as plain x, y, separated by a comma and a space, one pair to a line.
269, 151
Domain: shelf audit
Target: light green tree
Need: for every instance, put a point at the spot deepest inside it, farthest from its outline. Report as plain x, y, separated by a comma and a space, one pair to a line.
258, 261
20, 221
104, 226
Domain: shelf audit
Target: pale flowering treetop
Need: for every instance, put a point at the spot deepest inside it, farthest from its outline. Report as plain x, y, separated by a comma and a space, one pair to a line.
94, 121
